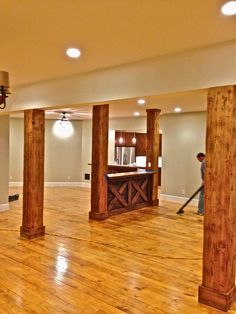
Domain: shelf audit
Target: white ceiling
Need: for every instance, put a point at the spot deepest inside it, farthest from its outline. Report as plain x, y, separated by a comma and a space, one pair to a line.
187, 101
34, 34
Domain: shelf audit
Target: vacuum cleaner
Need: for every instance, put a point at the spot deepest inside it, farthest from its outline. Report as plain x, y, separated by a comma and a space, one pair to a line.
181, 210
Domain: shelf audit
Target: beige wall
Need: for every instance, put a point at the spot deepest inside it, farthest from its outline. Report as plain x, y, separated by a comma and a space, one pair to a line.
16, 150
183, 137
4, 159
62, 156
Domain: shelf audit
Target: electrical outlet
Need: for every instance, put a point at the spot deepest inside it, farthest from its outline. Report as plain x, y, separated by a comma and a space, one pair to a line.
68, 178
10, 177
87, 176
183, 191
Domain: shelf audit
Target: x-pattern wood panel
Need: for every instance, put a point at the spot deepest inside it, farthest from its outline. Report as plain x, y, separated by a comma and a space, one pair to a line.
118, 195
139, 191
128, 194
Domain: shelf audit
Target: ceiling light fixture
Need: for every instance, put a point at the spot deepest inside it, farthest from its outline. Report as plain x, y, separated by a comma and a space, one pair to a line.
73, 53
229, 8
141, 101
136, 113
63, 128
177, 109
4, 88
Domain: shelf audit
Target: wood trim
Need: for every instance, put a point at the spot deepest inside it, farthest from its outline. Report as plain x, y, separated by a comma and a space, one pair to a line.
219, 300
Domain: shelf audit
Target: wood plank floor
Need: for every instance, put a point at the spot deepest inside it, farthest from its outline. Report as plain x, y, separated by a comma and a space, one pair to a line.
145, 261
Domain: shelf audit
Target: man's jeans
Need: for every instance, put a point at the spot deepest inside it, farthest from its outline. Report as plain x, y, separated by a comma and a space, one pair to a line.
201, 202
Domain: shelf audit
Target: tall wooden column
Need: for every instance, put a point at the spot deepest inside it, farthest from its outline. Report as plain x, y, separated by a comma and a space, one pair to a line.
99, 163
33, 191
218, 284
153, 117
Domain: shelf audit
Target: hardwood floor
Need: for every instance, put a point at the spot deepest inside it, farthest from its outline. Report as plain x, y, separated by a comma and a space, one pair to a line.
145, 261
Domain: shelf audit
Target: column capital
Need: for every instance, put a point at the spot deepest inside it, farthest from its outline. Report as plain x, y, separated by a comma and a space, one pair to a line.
153, 110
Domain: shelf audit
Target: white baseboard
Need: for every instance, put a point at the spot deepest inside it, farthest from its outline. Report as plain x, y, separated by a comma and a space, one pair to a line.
164, 197
56, 184
177, 199
4, 207
15, 184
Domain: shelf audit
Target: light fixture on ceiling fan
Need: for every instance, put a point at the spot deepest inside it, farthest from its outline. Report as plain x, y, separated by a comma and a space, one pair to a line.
63, 128
4, 88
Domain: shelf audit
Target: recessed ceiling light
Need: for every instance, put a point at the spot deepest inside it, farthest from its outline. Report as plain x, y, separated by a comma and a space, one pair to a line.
177, 109
137, 113
141, 101
73, 52
229, 8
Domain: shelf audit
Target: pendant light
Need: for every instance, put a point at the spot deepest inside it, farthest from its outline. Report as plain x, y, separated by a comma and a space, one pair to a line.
63, 128
134, 140
121, 139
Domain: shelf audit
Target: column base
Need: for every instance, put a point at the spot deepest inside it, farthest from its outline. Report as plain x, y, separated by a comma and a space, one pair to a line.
154, 202
98, 216
32, 233
216, 299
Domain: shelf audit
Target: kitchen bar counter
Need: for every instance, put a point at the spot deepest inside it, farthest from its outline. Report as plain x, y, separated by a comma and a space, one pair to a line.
119, 168
128, 191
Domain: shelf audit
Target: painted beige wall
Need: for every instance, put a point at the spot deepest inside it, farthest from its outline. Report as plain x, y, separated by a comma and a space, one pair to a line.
16, 150
4, 159
62, 156
183, 137
189, 70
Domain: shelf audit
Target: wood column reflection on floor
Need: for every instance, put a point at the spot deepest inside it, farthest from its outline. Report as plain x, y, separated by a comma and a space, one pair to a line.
153, 117
99, 209
33, 190
218, 285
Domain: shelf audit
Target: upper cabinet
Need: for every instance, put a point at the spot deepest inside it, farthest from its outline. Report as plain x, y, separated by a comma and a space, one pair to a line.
126, 139
141, 145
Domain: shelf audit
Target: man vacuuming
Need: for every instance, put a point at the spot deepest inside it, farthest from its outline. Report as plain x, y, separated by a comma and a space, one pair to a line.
200, 211
201, 159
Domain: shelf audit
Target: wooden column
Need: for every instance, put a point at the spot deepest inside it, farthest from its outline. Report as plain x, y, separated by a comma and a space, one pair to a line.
33, 191
99, 209
153, 117
218, 284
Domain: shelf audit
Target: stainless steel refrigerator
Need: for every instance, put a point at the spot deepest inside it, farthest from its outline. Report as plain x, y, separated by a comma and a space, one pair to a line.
125, 155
